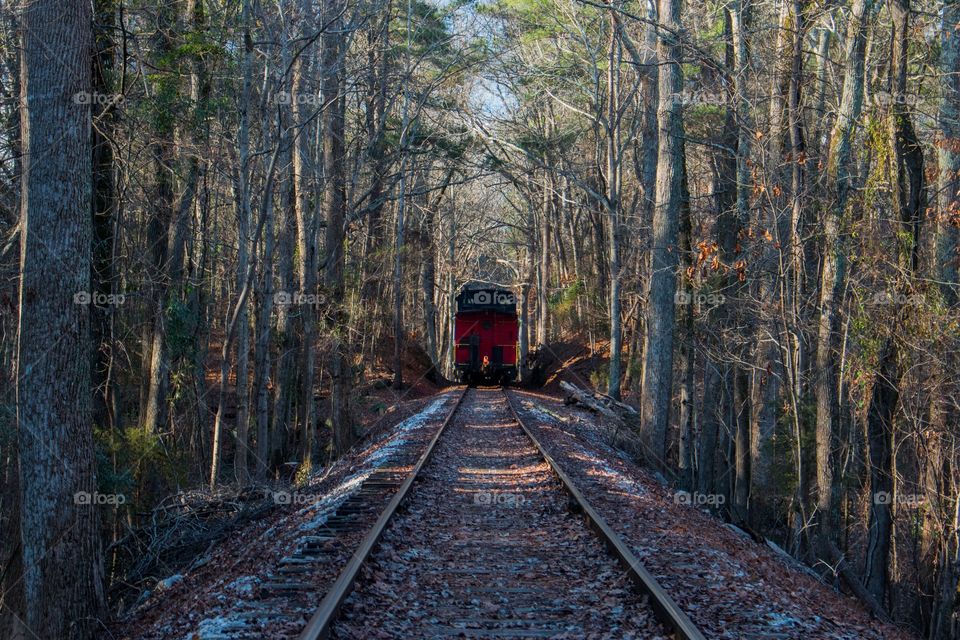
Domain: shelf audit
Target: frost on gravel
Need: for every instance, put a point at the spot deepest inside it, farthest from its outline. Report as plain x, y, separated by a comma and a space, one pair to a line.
600, 466
219, 599
374, 457
214, 628
731, 586
243, 586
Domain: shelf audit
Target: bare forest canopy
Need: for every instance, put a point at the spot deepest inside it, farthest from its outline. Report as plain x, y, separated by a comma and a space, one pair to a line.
224, 224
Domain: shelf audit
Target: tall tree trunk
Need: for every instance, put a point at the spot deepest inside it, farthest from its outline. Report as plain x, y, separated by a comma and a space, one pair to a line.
376, 114
658, 368
289, 233
62, 558
155, 366
833, 270
750, 436
335, 205
104, 211
243, 206
303, 174
943, 624
428, 278
398, 331
613, 207
880, 427
169, 224
908, 198
398, 239
949, 152
543, 270
452, 292
685, 448
281, 428
265, 295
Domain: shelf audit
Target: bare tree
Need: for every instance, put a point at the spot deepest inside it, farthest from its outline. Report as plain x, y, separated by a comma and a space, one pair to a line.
658, 368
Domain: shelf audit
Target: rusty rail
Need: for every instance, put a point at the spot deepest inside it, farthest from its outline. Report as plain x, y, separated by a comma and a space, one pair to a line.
318, 627
663, 605
666, 610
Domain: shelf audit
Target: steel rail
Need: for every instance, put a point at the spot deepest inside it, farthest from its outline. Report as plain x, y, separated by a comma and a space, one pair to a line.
663, 605
318, 627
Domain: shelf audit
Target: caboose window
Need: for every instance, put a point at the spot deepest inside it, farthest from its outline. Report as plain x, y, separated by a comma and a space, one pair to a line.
487, 324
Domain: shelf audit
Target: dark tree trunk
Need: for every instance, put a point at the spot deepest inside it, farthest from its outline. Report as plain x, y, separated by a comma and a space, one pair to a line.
880, 417
908, 196
62, 558
335, 205
104, 211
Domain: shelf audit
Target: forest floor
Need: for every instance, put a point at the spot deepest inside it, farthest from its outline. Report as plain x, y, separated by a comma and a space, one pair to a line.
203, 602
730, 585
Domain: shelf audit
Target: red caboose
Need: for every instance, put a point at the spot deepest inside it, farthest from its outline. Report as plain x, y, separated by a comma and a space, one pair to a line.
486, 333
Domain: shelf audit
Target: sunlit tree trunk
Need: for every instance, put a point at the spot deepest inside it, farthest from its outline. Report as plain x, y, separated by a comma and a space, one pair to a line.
658, 369
908, 198
307, 232
613, 207
948, 150
833, 269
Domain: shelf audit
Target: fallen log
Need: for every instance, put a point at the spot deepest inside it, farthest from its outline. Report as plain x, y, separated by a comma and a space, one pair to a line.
597, 402
853, 581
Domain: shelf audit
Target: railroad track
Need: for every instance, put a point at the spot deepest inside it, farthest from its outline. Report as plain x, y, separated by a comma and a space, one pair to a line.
491, 543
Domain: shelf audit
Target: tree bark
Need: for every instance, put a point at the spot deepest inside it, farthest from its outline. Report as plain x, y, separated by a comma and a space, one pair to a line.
307, 232
658, 368
613, 207
833, 271
62, 557
948, 152
908, 197
335, 204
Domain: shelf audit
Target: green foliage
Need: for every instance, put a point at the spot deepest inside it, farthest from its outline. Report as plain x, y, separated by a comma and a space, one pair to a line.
304, 471
429, 31
538, 17
878, 146
563, 303
130, 458
8, 428
600, 377
182, 322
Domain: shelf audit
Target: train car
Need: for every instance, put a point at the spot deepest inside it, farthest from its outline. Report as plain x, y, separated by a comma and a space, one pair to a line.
485, 333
